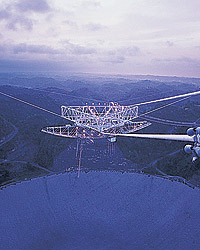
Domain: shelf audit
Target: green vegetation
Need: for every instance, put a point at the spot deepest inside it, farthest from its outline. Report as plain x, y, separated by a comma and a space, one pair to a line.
14, 172
6, 128
145, 151
49, 148
29, 144
178, 164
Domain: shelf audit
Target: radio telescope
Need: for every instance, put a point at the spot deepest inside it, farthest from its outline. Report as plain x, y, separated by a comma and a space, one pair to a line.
112, 120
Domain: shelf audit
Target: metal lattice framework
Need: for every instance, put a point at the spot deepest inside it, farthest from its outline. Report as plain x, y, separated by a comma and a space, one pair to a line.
97, 121
99, 117
80, 132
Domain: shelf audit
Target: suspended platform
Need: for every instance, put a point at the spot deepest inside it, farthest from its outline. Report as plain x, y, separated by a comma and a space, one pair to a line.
95, 122
88, 133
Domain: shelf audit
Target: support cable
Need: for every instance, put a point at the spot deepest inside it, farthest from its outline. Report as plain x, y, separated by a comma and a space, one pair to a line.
64, 94
164, 106
55, 114
159, 120
168, 98
30, 104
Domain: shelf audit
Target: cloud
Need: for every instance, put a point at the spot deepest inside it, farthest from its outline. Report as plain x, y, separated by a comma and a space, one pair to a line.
16, 22
113, 59
103, 34
77, 49
3, 48
81, 50
16, 15
34, 5
131, 51
36, 49
169, 43
71, 23
4, 14
36, 65
94, 27
180, 60
69, 50
180, 66
13, 19
88, 4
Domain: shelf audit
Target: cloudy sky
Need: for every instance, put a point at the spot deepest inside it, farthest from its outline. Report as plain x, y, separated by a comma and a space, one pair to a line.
160, 37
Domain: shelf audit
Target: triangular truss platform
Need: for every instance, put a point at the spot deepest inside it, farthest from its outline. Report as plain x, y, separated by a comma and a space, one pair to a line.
97, 121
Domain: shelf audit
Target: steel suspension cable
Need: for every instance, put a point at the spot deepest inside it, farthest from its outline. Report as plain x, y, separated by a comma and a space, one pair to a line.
164, 106
30, 104
168, 98
156, 119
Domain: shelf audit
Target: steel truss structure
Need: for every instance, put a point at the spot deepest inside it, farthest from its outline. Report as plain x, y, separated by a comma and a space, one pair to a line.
93, 122
87, 133
99, 117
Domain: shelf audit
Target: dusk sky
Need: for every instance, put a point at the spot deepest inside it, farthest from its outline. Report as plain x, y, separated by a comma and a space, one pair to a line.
160, 37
